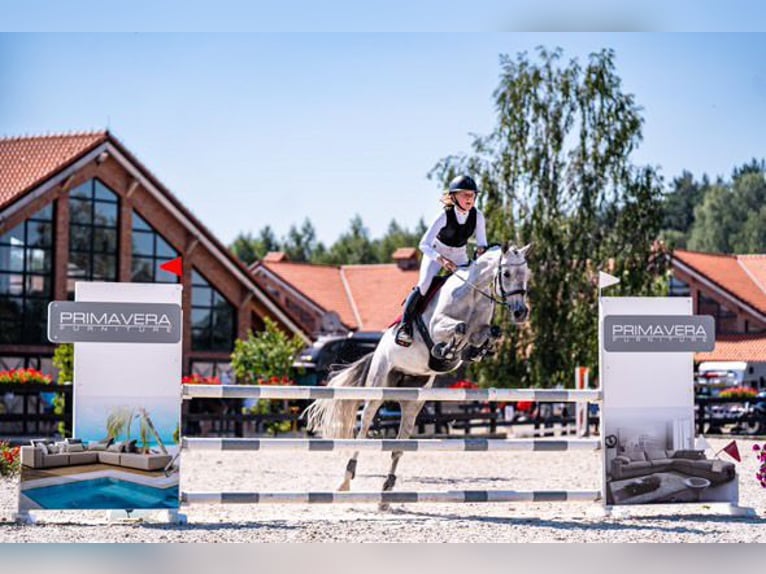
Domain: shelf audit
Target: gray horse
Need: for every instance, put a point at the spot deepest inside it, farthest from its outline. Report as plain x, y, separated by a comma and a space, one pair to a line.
455, 327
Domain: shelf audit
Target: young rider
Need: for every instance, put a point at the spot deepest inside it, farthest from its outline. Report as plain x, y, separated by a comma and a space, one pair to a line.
444, 245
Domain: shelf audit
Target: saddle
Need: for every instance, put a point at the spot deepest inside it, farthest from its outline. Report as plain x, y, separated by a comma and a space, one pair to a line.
436, 284
435, 364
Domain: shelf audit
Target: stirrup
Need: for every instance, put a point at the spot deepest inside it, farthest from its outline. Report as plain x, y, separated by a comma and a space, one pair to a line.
402, 337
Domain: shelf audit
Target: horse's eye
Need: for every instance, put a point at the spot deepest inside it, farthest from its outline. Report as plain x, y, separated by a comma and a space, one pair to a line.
506, 274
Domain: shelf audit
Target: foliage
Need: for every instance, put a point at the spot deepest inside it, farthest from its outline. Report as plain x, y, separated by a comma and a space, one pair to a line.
63, 360
10, 460
264, 355
24, 377
556, 172
738, 393
250, 249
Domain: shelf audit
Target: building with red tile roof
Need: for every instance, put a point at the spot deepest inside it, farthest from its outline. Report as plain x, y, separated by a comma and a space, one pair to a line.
81, 207
731, 288
340, 298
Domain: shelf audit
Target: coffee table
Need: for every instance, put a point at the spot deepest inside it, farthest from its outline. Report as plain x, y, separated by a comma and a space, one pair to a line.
674, 487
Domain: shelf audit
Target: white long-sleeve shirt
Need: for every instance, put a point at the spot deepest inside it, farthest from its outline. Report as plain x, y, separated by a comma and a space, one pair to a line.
429, 240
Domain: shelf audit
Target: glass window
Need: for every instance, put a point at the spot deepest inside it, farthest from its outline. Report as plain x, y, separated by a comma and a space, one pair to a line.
213, 317
150, 251
26, 279
93, 232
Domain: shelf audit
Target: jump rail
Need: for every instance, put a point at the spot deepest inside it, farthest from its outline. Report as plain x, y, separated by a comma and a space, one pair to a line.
383, 445
387, 394
451, 496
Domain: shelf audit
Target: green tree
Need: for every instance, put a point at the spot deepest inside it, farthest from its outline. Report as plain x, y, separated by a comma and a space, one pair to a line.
301, 244
264, 355
556, 171
731, 218
251, 248
352, 247
397, 236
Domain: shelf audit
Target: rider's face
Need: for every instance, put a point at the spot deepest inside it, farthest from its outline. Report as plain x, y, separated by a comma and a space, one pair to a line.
465, 199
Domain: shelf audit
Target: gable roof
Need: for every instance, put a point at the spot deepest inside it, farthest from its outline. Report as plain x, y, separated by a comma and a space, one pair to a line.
750, 348
49, 160
738, 277
366, 297
27, 161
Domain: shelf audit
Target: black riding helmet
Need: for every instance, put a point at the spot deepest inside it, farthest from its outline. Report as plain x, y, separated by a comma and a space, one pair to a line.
463, 183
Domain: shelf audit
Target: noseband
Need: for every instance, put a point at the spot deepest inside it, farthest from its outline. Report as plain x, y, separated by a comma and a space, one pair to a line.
500, 296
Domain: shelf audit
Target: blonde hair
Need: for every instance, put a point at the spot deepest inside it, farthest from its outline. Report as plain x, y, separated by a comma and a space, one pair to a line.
446, 199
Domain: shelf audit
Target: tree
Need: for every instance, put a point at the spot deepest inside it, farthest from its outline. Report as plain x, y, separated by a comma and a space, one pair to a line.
250, 249
300, 244
556, 171
265, 355
352, 247
397, 236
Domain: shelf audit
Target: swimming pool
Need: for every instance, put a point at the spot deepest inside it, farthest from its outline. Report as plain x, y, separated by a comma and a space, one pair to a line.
103, 493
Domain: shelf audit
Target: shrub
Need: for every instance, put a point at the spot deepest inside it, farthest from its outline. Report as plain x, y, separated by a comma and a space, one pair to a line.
743, 393
265, 355
10, 460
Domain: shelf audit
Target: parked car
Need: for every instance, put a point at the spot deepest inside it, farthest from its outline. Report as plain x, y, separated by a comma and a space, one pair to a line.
315, 362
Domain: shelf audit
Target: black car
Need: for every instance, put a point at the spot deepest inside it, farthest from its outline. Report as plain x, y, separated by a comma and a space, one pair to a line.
315, 362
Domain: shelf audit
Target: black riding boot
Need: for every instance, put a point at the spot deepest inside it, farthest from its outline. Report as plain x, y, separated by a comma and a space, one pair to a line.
404, 332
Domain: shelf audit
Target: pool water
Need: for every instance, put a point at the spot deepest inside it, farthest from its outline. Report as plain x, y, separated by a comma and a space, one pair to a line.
103, 493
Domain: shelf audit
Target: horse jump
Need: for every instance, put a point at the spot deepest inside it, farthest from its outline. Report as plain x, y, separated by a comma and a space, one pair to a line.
388, 445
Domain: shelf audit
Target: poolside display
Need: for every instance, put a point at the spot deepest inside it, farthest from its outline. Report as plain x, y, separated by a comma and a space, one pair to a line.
647, 352
127, 387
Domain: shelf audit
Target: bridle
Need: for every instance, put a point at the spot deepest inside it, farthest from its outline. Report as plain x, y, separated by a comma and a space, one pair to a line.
500, 295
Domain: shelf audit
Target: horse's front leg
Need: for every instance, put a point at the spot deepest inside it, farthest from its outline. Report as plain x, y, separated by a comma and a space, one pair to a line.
450, 334
368, 414
410, 410
481, 343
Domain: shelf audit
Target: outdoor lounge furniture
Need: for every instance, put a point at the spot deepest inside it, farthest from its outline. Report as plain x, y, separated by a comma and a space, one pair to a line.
631, 463
36, 457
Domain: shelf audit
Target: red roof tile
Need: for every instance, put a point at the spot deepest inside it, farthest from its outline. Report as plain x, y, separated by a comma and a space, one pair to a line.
739, 275
276, 257
378, 292
366, 297
320, 283
26, 162
736, 348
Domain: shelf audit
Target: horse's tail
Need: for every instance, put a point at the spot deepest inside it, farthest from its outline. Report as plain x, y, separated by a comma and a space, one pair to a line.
335, 418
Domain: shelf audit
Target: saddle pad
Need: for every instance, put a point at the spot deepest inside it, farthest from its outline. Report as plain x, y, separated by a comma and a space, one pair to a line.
436, 284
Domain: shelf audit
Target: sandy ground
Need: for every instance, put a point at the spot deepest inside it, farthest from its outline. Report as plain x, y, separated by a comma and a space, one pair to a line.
494, 522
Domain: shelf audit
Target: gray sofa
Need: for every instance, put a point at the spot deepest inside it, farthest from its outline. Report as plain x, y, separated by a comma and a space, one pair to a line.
631, 463
36, 457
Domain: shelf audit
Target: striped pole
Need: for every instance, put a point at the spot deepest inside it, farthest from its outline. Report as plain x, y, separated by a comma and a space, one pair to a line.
384, 445
386, 393
451, 496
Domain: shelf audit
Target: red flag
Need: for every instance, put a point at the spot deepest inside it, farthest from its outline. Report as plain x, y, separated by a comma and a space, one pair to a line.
732, 450
174, 266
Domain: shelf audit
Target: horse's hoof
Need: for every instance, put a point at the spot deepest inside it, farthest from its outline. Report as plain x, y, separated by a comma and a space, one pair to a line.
345, 487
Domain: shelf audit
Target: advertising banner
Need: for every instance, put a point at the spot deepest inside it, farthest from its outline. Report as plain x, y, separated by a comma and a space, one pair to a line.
123, 454
647, 352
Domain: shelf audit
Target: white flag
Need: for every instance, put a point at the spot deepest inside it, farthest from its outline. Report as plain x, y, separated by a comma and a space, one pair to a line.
606, 280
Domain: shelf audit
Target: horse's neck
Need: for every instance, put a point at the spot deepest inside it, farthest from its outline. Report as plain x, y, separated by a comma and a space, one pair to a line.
460, 297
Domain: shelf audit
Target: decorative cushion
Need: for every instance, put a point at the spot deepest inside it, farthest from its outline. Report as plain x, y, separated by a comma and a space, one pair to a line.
635, 455
70, 441
130, 445
60, 448
116, 447
656, 454
690, 454
76, 448
41, 444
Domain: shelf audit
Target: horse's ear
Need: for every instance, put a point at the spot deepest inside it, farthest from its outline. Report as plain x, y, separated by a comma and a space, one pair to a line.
525, 250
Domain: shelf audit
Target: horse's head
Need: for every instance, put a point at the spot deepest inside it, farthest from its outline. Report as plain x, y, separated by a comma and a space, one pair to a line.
511, 282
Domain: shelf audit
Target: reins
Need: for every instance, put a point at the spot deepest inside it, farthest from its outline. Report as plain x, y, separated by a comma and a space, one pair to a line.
498, 285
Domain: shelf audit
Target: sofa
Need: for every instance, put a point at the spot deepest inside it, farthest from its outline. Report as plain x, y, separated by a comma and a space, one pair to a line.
39, 456
642, 462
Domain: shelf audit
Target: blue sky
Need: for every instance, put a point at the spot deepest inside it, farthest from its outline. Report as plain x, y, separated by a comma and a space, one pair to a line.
256, 129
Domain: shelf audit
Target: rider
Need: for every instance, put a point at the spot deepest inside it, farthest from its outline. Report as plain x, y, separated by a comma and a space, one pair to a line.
444, 245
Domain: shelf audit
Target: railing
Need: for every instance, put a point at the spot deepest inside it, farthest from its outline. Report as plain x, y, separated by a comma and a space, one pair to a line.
26, 413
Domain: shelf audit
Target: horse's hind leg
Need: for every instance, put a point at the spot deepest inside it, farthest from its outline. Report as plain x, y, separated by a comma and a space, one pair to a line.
368, 414
410, 410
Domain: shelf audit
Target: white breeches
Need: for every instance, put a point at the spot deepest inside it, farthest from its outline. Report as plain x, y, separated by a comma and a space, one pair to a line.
429, 268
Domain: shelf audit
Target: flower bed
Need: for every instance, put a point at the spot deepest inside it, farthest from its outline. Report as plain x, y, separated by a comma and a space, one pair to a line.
197, 379
24, 376
10, 460
743, 393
